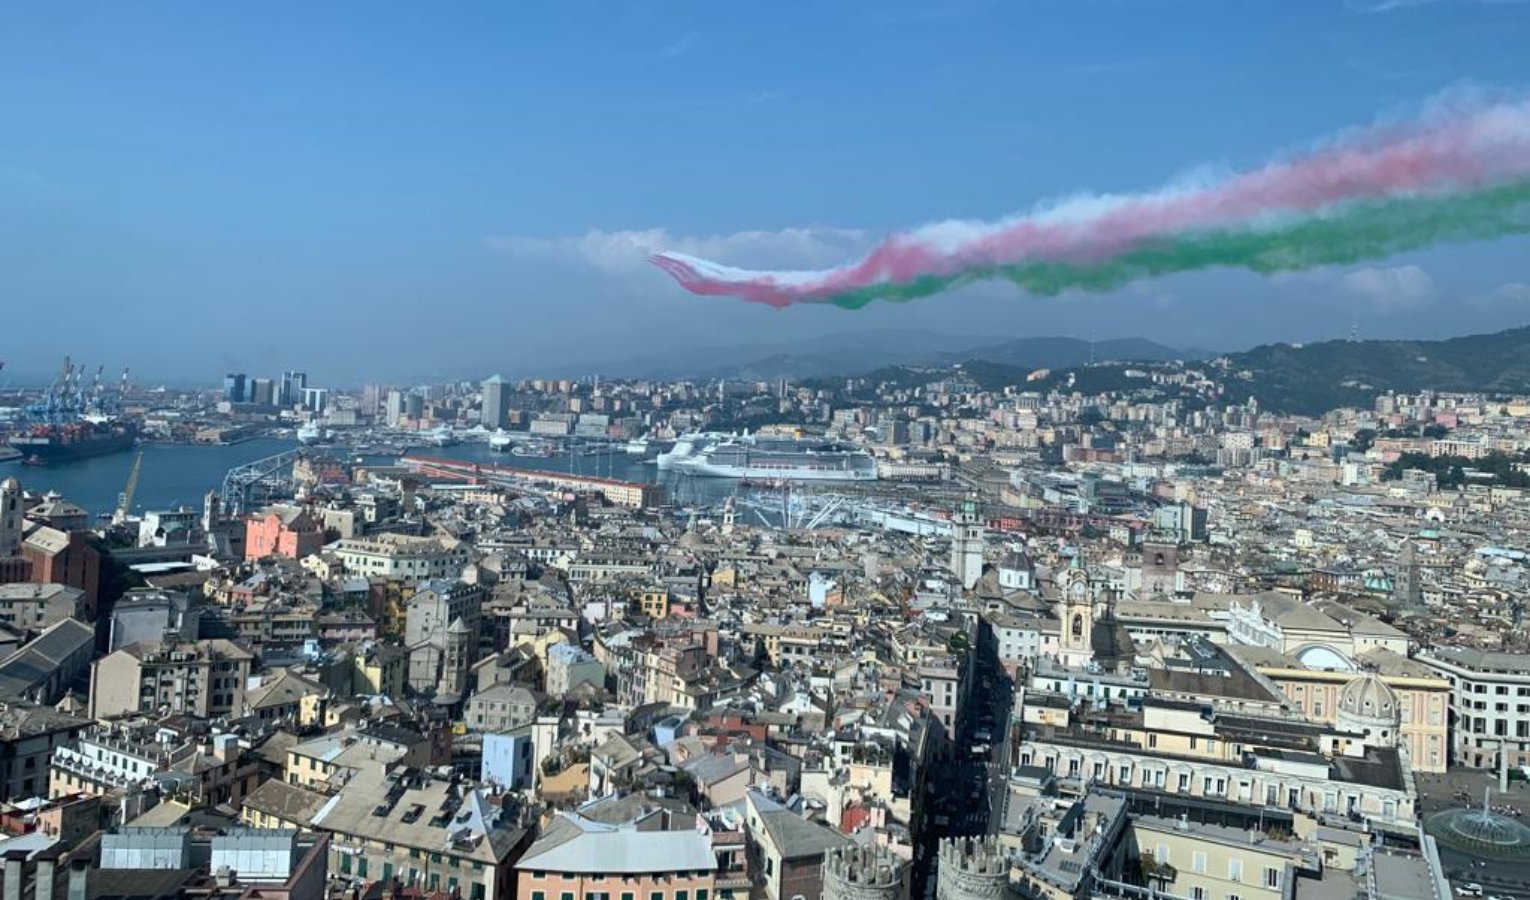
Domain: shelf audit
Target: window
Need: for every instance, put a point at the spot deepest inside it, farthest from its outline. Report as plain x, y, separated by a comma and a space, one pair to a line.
1271, 877
682, 895
1235, 870
1197, 893
656, 895
538, 895
1198, 861
701, 894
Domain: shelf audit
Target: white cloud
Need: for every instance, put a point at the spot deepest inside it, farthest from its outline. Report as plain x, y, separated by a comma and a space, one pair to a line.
23, 180
1386, 6
1512, 292
679, 47
625, 251
1390, 289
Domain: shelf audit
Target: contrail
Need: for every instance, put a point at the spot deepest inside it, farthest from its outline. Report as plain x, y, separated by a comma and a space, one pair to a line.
1463, 174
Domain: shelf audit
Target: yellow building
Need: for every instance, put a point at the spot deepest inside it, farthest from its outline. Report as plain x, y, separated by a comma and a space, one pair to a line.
1413, 700
652, 602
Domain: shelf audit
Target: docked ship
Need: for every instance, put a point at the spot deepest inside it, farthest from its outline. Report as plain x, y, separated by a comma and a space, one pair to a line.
781, 459
41, 445
686, 447
310, 433
499, 441
442, 436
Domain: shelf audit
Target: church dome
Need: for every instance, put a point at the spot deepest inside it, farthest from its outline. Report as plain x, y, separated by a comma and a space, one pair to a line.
1368, 706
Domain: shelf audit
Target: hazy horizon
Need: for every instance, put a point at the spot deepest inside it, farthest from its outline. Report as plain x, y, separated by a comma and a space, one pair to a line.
445, 193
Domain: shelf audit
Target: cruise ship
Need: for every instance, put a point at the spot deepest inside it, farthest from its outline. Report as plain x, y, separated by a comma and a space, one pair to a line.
499, 441
780, 459
687, 446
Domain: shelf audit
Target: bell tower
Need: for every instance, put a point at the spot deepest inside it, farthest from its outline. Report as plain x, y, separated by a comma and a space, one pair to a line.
1075, 614
967, 544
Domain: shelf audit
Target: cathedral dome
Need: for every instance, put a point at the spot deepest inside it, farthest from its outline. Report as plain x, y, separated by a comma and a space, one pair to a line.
1368, 706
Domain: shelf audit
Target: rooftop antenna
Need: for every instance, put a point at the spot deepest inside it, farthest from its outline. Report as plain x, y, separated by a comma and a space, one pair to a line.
1354, 329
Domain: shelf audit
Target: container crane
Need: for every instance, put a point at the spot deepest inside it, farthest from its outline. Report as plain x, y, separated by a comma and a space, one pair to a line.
125, 499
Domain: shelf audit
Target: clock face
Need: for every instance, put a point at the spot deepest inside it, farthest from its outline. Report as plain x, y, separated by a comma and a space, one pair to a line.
1078, 588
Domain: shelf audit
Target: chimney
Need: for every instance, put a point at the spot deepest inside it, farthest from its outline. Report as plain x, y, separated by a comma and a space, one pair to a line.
14, 860
79, 867
46, 878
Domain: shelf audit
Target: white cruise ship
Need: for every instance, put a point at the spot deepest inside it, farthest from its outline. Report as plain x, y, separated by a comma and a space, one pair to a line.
310, 433
499, 441
686, 446
781, 459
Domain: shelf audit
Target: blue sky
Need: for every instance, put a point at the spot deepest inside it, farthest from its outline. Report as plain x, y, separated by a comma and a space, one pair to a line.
398, 191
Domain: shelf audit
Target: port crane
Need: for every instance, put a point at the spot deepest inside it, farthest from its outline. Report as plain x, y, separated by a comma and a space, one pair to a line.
67, 398
125, 499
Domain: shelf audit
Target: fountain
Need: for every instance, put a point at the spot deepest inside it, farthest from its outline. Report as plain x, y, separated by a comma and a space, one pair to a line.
1481, 832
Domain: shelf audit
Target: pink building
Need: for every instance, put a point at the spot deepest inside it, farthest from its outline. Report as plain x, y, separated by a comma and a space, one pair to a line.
282, 531
579, 858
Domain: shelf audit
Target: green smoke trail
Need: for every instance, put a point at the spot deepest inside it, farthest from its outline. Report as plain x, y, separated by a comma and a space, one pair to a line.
1353, 234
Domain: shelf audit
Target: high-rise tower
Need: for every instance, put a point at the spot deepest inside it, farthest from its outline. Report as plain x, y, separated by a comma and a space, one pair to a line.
495, 415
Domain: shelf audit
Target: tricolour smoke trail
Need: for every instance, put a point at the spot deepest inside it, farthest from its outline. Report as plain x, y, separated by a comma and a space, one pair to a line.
1460, 176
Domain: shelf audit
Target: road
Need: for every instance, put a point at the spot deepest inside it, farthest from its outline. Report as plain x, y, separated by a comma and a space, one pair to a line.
966, 798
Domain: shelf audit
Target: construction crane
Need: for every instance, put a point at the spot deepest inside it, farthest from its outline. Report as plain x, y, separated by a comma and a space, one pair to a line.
125, 499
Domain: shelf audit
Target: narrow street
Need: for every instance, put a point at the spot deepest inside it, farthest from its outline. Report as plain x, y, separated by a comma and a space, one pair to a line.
968, 796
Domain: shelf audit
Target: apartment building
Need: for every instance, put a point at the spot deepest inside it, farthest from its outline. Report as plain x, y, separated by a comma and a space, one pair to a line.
29, 736
199, 678
108, 759
404, 557
429, 834
1490, 700
30, 607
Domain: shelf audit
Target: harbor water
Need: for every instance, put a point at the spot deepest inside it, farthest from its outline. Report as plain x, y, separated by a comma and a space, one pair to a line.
181, 474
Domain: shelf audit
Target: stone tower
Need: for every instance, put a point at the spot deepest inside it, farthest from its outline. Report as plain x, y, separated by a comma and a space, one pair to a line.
971, 869
10, 518
1407, 590
455, 661
967, 544
862, 873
